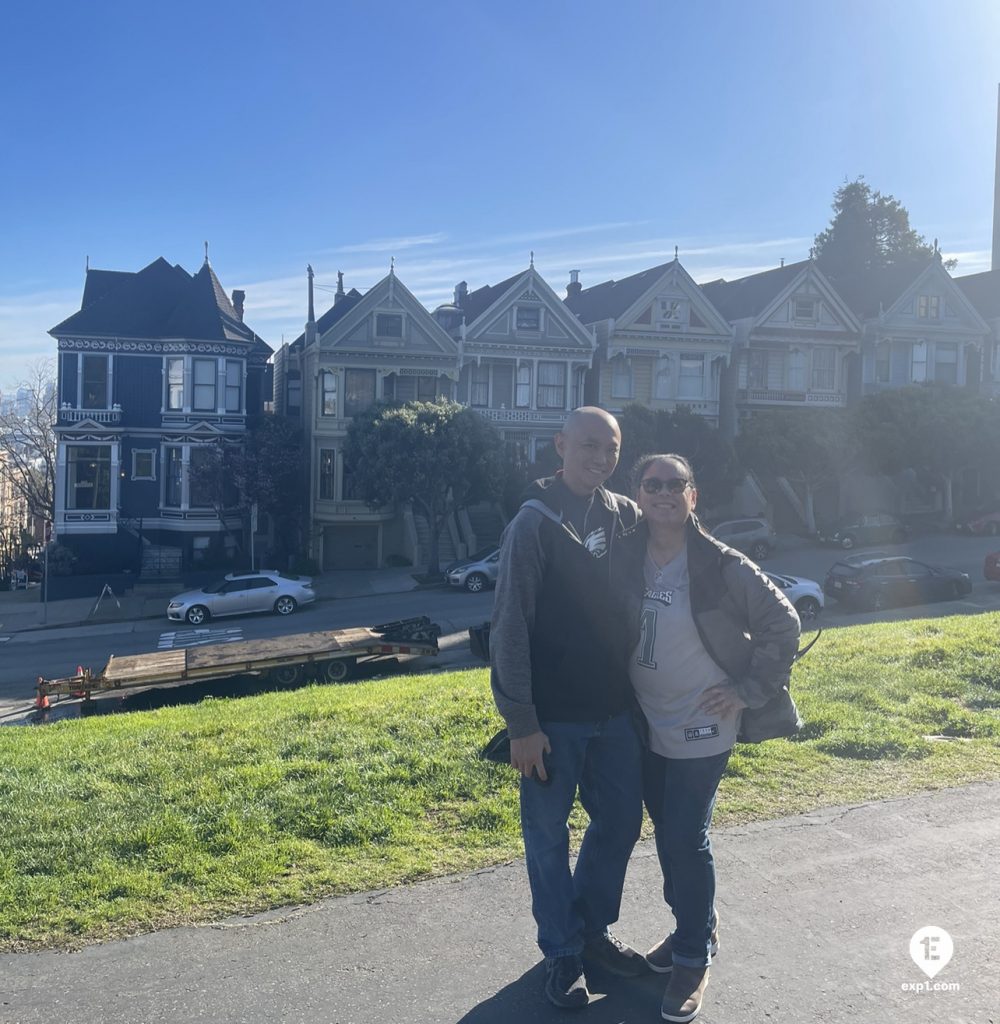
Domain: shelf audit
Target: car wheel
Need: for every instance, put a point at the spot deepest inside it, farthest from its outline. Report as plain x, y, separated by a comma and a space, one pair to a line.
285, 605
958, 591
475, 582
994, 529
339, 670
808, 608
899, 536
878, 601
196, 614
759, 550
847, 542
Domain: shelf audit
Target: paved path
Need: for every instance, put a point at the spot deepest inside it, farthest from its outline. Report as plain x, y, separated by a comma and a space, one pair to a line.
817, 915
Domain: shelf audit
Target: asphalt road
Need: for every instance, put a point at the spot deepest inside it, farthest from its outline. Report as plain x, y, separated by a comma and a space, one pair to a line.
57, 651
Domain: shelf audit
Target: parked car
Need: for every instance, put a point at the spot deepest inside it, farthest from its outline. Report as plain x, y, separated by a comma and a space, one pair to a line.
877, 583
476, 556
805, 595
991, 567
476, 573
871, 528
241, 592
987, 523
754, 537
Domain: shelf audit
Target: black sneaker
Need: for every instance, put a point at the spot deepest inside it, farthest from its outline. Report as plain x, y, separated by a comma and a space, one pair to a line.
661, 957
613, 955
565, 985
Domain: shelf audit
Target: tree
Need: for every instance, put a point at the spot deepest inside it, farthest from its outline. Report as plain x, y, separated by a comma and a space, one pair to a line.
938, 429
684, 433
808, 447
437, 455
28, 442
216, 480
870, 232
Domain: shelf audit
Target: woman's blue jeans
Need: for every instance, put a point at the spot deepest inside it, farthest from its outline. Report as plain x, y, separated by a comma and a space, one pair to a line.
680, 797
604, 761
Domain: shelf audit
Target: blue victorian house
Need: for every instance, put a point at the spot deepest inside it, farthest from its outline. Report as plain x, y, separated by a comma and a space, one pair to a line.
155, 370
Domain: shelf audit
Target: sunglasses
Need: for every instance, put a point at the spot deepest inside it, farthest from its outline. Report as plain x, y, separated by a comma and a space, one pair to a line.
675, 485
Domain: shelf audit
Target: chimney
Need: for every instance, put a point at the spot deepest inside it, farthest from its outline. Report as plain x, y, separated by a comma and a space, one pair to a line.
310, 331
239, 297
461, 294
339, 294
574, 287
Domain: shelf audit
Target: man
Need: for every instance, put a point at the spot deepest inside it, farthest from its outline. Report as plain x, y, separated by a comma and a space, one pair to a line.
559, 650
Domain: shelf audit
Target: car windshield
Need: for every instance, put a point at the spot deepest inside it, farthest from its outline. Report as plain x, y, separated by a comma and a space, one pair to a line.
843, 569
214, 588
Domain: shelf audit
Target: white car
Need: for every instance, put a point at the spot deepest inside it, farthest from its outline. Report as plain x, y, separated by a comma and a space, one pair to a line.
266, 590
475, 573
805, 595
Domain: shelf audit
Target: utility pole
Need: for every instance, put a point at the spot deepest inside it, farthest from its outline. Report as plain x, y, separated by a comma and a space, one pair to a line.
995, 262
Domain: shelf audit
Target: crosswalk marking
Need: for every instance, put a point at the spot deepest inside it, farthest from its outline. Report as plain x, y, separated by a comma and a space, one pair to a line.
198, 638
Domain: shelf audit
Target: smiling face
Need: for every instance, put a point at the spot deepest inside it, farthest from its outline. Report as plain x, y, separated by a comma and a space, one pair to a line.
664, 509
589, 446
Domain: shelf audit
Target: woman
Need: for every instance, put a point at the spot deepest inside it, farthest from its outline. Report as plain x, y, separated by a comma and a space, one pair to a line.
716, 645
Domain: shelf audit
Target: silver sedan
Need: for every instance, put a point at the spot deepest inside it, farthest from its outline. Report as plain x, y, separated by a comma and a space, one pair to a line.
240, 593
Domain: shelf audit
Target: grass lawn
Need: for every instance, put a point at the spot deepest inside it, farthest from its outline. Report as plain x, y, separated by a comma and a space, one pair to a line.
114, 825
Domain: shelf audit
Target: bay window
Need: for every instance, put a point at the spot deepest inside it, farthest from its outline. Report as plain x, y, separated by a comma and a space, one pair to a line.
88, 476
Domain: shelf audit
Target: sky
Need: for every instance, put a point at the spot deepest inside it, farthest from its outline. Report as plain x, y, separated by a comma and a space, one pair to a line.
457, 138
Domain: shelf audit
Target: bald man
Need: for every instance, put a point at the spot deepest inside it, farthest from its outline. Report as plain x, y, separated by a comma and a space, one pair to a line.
559, 650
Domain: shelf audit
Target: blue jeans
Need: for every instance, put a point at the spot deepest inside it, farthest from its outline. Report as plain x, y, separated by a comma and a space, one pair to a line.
680, 797
603, 760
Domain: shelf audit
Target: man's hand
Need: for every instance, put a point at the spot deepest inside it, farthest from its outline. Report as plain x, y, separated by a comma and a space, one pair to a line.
721, 700
527, 753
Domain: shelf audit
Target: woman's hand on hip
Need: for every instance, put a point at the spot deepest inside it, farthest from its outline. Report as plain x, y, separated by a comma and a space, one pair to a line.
721, 700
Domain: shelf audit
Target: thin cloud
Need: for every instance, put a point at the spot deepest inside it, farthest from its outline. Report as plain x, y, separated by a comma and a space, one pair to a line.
389, 245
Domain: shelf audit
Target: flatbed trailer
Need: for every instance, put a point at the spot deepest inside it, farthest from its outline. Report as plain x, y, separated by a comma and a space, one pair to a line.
331, 654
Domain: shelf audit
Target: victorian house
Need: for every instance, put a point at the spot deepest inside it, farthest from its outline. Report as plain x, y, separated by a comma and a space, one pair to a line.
983, 291
660, 341
524, 358
921, 326
379, 346
796, 342
155, 369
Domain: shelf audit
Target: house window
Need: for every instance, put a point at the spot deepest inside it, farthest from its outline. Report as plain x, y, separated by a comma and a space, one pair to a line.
389, 325
328, 393
804, 309
621, 377
479, 396
661, 383
200, 478
234, 385
529, 318
359, 391
293, 393
796, 370
918, 362
143, 464
824, 365
175, 384
522, 398
946, 362
929, 307
328, 474
883, 352
756, 369
551, 386
94, 392
88, 476
670, 310
205, 371
691, 383
173, 476
426, 389
578, 384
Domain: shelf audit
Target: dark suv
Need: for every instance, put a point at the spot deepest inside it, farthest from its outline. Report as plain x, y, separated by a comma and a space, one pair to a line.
870, 528
877, 583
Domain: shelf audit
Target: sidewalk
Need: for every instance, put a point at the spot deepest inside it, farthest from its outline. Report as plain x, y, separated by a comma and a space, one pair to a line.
817, 914
22, 610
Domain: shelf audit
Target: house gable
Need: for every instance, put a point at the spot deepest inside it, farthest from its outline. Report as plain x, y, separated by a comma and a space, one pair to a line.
808, 303
673, 304
933, 302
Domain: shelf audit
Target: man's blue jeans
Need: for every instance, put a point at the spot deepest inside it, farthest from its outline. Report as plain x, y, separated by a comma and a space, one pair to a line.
680, 797
603, 760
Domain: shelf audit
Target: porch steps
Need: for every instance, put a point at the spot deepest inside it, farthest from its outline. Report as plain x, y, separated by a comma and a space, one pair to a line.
487, 523
446, 550
160, 562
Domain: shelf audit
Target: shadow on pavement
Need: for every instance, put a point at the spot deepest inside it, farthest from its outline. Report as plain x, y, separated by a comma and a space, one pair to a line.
613, 1001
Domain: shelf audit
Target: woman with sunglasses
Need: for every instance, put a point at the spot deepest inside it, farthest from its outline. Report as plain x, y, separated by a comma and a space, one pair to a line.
715, 648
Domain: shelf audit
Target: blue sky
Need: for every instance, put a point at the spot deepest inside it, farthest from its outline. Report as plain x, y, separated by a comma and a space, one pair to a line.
457, 137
